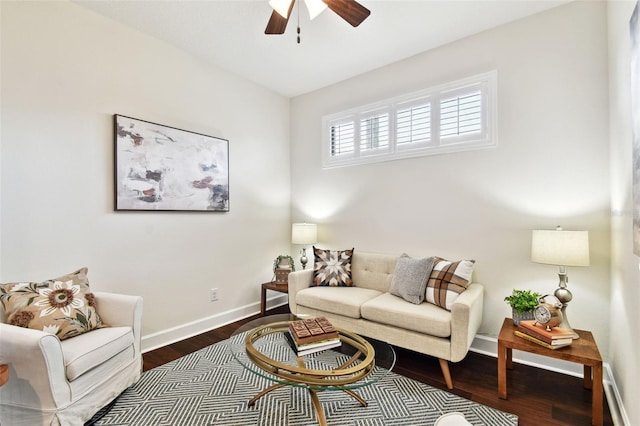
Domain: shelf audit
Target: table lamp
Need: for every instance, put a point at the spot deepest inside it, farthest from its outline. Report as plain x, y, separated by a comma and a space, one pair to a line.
304, 234
562, 248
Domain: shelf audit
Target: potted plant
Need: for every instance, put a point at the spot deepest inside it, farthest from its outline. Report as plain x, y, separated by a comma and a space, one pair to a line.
522, 303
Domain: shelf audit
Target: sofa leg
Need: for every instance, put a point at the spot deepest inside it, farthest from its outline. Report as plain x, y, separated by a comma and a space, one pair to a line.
444, 366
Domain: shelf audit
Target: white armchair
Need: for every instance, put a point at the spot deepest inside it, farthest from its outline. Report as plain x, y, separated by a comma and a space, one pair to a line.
53, 382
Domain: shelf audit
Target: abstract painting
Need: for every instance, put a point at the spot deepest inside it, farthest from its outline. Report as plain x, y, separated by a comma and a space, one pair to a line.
635, 121
167, 169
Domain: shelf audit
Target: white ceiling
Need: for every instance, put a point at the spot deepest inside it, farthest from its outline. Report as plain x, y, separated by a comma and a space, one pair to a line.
230, 34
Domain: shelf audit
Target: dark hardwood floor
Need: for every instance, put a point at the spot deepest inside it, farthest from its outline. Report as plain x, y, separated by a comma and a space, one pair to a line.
536, 396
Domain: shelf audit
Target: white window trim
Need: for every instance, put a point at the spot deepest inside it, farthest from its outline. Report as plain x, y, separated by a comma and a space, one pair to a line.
486, 83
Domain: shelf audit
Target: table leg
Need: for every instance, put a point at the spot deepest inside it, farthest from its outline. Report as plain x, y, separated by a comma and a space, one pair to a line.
502, 370
262, 393
263, 301
587, 380
596, 395
322, 420
356, 397
510, 358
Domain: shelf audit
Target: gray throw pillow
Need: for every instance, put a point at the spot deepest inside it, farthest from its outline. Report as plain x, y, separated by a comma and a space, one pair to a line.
410, 278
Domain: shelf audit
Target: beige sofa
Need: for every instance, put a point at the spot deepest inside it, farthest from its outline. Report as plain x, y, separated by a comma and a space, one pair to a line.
367, 308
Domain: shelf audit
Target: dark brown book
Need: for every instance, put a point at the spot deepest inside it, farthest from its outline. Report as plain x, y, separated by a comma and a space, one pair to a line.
312, 330
541, 330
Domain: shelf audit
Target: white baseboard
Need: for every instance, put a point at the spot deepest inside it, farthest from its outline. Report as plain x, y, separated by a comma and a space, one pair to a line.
185, 331
488, 345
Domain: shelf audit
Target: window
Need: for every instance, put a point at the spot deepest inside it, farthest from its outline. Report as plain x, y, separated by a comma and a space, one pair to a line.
461, 115
457, 116
374, 132
413, 124
342, 139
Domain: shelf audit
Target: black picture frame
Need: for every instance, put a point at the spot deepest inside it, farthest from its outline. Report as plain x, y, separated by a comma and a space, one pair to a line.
162, 168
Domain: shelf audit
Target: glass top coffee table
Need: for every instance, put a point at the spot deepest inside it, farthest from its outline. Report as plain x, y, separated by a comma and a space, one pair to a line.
261, 347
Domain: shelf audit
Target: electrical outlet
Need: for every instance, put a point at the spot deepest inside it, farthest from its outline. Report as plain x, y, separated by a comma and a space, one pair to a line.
214, 294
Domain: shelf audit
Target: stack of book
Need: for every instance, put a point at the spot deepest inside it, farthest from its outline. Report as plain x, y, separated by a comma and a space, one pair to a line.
312, 335
538, 333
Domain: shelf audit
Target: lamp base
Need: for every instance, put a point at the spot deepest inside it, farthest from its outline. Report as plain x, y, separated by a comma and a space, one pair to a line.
565, 323
303, 258
563, 294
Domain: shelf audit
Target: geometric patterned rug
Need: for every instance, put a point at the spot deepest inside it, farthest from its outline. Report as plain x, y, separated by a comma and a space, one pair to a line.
209, 387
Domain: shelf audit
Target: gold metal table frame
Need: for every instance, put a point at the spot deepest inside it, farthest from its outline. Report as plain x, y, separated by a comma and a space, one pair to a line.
346, 377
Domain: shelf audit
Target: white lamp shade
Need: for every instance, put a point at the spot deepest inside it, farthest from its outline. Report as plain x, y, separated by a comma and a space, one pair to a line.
315, 7
558, 247
304, 233
281, 6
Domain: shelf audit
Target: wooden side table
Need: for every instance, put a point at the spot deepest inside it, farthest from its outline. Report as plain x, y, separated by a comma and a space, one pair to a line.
281, 288
583, 351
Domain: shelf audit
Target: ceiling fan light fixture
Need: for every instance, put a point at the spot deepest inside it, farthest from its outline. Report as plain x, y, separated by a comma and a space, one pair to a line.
281, 6
315, 7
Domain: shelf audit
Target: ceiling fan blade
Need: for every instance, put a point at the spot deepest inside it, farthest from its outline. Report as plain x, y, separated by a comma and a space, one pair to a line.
277, 23
349, 10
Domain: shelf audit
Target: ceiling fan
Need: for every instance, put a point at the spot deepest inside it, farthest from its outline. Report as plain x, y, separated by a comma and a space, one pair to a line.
349, 10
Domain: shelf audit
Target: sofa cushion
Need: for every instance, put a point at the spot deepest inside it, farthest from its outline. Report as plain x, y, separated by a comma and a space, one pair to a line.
448, 279
395, 311
92, 349
410, 278
344, 301
63, 306
373, 270
332, 268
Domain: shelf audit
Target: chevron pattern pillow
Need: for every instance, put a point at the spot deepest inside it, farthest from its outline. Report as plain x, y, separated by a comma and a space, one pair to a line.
332, 268
447, 280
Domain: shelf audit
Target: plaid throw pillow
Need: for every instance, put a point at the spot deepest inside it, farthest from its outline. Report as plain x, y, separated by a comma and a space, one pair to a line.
332, 268
447, 280
62, 306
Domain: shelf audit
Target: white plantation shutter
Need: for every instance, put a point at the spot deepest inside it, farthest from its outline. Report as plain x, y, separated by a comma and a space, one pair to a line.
413, 124
374, 132
461, 115
342, 139
457, 116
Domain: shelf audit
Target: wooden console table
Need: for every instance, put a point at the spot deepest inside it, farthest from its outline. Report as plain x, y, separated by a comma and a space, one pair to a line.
583, 351
282, 288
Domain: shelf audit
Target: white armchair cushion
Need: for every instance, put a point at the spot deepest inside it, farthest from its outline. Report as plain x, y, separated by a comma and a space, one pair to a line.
84, 352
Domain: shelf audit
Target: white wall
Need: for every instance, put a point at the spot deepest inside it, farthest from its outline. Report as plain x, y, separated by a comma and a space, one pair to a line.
624, 350
65, 72
551, 166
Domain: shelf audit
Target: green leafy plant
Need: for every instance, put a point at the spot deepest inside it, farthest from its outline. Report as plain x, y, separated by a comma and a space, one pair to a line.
289, 259
523, 300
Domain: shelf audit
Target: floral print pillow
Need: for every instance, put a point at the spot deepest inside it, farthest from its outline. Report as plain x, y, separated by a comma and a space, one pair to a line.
62, 306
